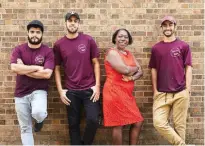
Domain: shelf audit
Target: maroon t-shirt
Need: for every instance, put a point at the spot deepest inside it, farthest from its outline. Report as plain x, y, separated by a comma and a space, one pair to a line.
75, 55
170, 59
42, 56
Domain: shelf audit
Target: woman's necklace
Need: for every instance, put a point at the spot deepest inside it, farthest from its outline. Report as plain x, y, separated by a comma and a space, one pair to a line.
123, 52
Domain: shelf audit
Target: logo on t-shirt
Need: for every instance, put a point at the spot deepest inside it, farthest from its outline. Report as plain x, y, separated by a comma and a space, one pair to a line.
82, 48
39, 60
175, 52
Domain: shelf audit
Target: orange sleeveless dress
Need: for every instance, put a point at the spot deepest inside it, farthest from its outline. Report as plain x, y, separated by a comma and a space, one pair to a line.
119, 105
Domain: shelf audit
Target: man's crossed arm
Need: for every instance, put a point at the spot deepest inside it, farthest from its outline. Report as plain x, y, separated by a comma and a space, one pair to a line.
33, 71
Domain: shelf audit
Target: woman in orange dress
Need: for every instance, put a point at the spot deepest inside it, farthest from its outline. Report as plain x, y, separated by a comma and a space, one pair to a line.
119, 105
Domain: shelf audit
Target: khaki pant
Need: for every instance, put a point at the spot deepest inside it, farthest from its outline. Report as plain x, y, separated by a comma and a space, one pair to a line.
179, 104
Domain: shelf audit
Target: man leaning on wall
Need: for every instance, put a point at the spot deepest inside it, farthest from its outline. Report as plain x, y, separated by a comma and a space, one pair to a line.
33, 62
171, 69
78, 54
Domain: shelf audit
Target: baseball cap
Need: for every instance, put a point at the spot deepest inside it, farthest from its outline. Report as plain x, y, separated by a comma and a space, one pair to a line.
168, 18
35, 23
72, 13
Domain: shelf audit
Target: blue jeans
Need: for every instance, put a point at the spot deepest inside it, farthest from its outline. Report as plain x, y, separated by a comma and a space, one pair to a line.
92, 110
32, 105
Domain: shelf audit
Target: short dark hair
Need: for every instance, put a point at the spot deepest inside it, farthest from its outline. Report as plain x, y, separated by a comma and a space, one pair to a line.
117, 31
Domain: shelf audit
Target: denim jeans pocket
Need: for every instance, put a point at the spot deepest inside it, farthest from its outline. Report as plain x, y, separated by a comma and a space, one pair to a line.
88, 92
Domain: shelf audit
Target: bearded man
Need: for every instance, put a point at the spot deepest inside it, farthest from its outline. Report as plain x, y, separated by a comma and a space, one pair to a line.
171, 69
78, 54
33, 62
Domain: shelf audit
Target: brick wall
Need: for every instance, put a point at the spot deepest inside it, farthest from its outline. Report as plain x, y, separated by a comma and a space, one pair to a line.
100, 18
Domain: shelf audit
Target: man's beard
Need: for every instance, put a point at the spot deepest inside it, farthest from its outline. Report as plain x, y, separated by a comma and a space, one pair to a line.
168, 35
34, 42
72, 32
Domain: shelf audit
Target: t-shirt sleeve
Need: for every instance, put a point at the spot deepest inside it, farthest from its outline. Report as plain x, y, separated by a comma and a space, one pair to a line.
152, 61
58, 58
49, 62
95, 53
187, 56
15, 55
